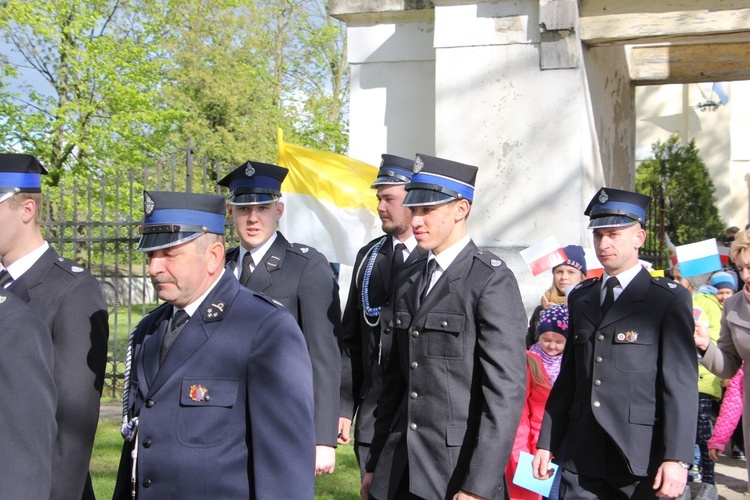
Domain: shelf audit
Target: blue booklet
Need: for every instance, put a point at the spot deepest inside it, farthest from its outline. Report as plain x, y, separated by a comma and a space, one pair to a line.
524, 477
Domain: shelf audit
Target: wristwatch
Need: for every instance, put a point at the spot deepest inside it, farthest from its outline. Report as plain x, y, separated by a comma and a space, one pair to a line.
684, 465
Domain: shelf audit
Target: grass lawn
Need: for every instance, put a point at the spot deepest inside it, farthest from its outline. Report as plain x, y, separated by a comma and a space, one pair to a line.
343, 484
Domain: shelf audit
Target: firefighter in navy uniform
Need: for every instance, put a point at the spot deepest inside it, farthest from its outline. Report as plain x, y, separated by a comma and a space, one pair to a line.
622, 412
366, 338
71, 303
456, 380
218, 399
297, 276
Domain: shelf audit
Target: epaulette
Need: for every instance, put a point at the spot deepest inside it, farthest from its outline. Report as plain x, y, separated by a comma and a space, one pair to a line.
70, 267
268, 299
304, 250
585, 284
490, 259
666, 283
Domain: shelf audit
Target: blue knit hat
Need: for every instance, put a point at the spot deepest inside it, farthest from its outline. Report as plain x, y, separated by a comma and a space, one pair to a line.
576, 258
723, 279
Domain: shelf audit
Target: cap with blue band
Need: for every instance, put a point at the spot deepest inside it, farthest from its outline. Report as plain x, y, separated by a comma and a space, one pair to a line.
19, 173
437, 180
174, 218
254, 183
617, 208
394, 170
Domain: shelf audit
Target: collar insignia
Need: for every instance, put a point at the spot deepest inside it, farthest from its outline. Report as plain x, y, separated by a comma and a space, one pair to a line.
76, 269
215, 310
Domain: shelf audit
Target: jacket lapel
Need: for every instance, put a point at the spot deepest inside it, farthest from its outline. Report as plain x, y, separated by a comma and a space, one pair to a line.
262, 277
34, 275
147, 369
195, 333
634, 293
447, 282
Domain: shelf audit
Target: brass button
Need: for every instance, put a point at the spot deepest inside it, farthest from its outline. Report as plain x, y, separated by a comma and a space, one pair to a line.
415, 334
597, 383
600, 337
413, 395
414, 365
598, 359
597, 404
150, 403
444, 324
413, 427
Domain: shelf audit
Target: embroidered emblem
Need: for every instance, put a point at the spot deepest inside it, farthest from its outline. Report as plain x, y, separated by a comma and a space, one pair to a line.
496, 262
304, 249
76, 269
199, 393
148, 204
215, 310
249, 170
603, 197
418, 165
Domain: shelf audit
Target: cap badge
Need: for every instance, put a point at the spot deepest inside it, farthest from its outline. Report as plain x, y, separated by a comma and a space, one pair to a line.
199, 393
148, 204
249, 171
418, 165
76, 269
603, 197
496, 262
390, 173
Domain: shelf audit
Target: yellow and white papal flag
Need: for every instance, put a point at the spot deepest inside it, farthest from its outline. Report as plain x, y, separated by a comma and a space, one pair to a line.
328, 201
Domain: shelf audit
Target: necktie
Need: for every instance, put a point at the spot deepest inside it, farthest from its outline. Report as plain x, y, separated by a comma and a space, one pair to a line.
247, 261
431, 265
5, 278
398, 259
175, 327
609, 296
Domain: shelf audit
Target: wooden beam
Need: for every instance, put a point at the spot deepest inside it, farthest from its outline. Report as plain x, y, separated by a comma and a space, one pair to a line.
644, 26
690, 63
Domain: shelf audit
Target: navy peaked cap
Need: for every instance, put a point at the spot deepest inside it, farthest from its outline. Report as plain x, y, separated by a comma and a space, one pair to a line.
254, 183
437, 180
171, 218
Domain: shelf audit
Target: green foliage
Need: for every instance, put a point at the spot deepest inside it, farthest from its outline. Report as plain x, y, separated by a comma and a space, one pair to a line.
100, 87
682, 191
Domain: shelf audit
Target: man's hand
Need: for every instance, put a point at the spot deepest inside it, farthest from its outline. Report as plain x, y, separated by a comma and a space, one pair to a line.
462, 495
325, 459
701, 336
540, 465
364, 490
345, 425
670, 480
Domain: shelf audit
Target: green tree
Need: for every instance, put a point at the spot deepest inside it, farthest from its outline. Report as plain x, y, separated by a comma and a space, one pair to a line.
683, 194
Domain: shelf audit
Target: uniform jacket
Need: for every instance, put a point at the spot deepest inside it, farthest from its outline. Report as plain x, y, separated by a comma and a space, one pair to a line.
367, 346
631, 375
301, 279
455, 383
71, 303
27, 401
252, 436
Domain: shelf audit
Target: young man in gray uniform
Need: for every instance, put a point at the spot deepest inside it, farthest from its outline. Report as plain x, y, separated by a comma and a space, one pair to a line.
624, 408
71, 303
296, 275
212, 408
456, 380
366, 338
